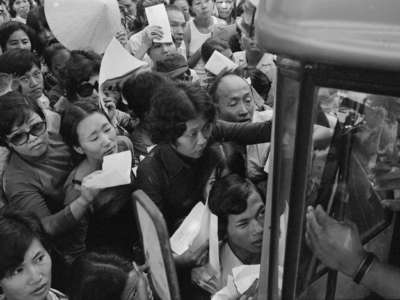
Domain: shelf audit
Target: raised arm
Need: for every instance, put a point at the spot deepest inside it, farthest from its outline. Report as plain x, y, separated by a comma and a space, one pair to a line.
242, 133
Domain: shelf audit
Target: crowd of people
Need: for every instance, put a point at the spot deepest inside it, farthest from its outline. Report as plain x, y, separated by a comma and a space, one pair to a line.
194, 136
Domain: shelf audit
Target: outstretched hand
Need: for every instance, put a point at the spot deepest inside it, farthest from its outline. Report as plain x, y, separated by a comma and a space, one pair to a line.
336, 244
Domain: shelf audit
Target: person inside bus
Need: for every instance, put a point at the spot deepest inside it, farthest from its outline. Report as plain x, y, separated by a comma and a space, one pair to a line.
338, 246
106, 276
90, 134
25, 262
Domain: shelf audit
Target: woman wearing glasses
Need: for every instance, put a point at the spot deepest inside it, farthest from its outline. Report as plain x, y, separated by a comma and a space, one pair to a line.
38, 166
82, 84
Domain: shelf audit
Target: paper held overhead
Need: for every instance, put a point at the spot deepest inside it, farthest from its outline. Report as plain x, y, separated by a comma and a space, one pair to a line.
157, 15
116, 171
218, 63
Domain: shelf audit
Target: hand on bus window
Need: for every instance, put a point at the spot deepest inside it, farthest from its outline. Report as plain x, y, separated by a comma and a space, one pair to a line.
336, 244
392, 204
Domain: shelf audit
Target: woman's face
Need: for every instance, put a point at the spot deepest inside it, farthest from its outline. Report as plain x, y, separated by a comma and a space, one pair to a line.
32, 279
202, 8
224, 8
21, 8
194, 140
29, 139
97, 137
89, 90
18, 40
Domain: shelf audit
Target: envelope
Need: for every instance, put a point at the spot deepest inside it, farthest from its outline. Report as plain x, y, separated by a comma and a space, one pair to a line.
116, 170
218, 63
157, 15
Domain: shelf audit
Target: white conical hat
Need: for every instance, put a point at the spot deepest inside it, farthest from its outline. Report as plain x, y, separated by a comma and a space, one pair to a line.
83, 24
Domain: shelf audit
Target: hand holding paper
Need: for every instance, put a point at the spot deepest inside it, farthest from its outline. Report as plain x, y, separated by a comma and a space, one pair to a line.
157, 15
116, 171
218, 62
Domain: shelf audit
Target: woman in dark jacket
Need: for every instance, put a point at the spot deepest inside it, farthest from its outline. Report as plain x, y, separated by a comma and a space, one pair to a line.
183, 124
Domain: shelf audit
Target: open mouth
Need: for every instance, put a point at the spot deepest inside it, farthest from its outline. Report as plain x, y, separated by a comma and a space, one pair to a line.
110, 151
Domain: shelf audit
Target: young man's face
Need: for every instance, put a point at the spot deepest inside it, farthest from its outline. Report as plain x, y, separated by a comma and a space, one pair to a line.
31, 83
235, 100
160, 50
178, 24
245, 230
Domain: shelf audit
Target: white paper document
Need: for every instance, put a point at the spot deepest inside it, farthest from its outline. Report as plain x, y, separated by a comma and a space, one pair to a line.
116, 170
184, 236
242, 279
157, 15
218, 63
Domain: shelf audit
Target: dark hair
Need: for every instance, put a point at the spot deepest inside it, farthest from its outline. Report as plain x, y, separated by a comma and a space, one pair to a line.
138, 91
18, 62
173, 106
36, 20
210, 45
228, 196
51, 51
231, 160
15, 109
74, 114
17, 231
96, 276
8, 28
260, 82
12, 11
79, 68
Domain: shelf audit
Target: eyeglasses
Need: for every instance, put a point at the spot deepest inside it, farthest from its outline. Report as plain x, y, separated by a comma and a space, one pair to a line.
21, 138
86, 89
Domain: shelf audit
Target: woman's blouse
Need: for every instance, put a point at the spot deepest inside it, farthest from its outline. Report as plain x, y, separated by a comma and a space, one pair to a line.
36, 185
111, 222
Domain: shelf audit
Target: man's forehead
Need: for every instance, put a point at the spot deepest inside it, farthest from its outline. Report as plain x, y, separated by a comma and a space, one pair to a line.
176, 16
232, 83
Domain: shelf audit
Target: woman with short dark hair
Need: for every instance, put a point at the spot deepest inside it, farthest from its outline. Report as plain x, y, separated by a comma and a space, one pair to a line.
182, 122
38, 166
25, 263
16, 35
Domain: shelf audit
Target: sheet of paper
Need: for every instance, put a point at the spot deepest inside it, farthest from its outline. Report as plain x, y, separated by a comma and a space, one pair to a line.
116, 170
244, 276
157, 15
229, 292
218, 63
187, 232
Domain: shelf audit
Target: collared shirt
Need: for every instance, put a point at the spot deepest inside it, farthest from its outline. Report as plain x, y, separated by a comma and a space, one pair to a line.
228, 261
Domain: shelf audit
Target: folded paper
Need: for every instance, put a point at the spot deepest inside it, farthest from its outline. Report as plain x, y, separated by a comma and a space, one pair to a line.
116, 65
218, 63
116, 170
